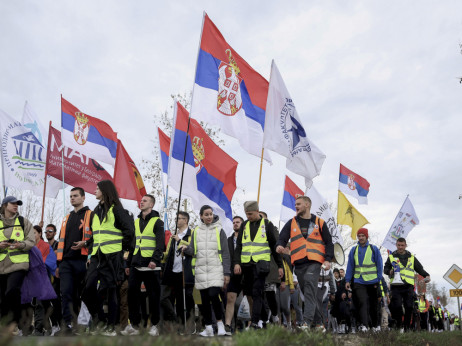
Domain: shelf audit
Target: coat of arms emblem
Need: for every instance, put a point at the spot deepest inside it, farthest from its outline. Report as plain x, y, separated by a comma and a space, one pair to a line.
229, 100
198, 152
351, 182
81, 128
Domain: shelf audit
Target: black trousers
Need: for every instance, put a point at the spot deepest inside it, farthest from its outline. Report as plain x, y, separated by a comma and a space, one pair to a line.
424, 321
402, 295
177, 293
211, 298
151, 281
366, 303
107, 270
254, 286
10, 296
71, 277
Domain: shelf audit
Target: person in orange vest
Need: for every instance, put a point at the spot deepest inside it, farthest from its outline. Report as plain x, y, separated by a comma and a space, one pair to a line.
311, 247
72, 253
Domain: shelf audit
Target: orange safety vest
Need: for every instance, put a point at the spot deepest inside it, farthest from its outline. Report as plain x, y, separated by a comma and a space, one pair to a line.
86, 235
312, 247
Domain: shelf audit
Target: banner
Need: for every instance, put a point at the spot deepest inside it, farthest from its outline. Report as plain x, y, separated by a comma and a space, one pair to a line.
285, 134
403, 224
320, 208
349, 215
79, 170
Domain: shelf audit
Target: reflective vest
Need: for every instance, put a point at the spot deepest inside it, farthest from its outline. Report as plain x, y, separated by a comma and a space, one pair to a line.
194, 234
382, 291
16, 255
407, 273
105, 235
86, 235
422, 305
456, 321
258, 249
368, 270
145, 241
440, 313
312, 247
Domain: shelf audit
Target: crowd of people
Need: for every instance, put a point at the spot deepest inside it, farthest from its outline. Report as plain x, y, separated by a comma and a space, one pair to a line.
108, 272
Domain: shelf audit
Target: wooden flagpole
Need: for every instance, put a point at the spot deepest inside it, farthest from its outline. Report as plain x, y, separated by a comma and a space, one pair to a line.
46, 174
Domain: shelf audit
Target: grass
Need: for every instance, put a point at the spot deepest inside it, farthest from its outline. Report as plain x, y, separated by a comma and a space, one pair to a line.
273, 336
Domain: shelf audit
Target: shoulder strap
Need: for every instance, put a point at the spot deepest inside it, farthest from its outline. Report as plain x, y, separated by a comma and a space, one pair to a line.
21, 221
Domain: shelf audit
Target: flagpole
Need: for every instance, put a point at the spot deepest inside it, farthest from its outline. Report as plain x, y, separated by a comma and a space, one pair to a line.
62, 162
164, 188
259, 178
187, 130
46, 173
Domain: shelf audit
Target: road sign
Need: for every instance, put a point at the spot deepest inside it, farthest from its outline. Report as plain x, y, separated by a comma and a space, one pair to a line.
454, 276
455, 293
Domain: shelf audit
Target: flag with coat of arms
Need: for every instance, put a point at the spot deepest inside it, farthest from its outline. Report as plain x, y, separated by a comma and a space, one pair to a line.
228, 92
285, 134
353, 184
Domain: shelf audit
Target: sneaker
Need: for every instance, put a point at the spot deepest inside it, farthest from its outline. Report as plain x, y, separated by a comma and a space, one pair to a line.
363, 329
275, 319
228, 330
16, 331
208, 331
376, 329
255, 326
54, 330
401, 330
153, 331
109, 332
342, 329
320, 328
304, 326
130, 330
221, 329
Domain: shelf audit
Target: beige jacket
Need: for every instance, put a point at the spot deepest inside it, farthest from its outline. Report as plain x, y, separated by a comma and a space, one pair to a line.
6, 266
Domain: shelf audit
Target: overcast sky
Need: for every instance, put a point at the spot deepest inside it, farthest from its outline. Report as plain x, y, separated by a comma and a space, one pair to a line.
373, 82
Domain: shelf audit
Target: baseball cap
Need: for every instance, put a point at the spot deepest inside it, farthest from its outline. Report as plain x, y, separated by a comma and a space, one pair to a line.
11, 199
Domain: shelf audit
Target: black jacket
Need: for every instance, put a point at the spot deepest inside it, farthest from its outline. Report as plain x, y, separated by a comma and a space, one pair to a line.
168, 270
418, 268
74, 233
140, 261
271, 234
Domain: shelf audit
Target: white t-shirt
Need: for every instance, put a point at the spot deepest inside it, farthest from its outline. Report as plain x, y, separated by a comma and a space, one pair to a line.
177, 266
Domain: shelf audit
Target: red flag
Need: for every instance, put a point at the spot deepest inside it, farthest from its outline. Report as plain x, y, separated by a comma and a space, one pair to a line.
79, 170
127, 177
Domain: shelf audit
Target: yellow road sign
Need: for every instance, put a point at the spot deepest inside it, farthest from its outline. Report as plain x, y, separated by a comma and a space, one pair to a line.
454, 276
455, 293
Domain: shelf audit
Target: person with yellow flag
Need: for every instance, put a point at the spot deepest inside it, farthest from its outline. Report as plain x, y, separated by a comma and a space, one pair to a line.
349, 215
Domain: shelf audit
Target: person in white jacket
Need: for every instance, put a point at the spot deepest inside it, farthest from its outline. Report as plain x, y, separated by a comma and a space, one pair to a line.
211, 264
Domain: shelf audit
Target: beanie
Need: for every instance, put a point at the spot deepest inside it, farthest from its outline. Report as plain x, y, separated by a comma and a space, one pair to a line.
251, 206
363, 231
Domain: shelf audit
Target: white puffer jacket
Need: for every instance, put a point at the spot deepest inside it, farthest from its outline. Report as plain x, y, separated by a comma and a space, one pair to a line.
209, 269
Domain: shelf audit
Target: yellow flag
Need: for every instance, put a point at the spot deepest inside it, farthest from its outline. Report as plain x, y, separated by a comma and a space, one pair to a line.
348, 215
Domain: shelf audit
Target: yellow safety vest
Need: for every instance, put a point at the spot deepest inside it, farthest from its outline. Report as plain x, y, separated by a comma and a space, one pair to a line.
105, 235
193, 262
258, 249
407, 273
368, 270
16, 255
422, 305
145, 241
456, 321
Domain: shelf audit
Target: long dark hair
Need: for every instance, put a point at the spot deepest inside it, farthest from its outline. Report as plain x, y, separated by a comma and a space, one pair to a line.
110, 196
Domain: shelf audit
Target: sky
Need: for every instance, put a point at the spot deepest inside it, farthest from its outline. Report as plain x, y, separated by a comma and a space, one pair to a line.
375, 85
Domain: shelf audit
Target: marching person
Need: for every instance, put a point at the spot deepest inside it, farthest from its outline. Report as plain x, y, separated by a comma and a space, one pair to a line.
311, 247
144, 262
176, 267
16, 239
255, 245
235, 282
423, 310
112, 233
363, 274
72, 253
211, 266
50, 234
402, 293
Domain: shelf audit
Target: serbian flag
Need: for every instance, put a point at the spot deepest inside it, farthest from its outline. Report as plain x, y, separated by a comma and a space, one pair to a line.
353, 184
127, 177
228, 92
291, 192
214, 169
164, 148
79, 170
88, 135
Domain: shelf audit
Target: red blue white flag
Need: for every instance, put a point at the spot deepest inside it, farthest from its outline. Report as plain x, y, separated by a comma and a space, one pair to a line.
214, 170
291, 192
88, 135
164, 149
228, 92
353, 184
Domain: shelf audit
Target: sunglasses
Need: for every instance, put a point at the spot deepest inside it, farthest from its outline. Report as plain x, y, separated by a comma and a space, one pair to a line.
49, 231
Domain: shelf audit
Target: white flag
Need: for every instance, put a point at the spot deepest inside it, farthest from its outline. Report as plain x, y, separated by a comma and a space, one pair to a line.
285, 134
403, 224
23, 156
320, 208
